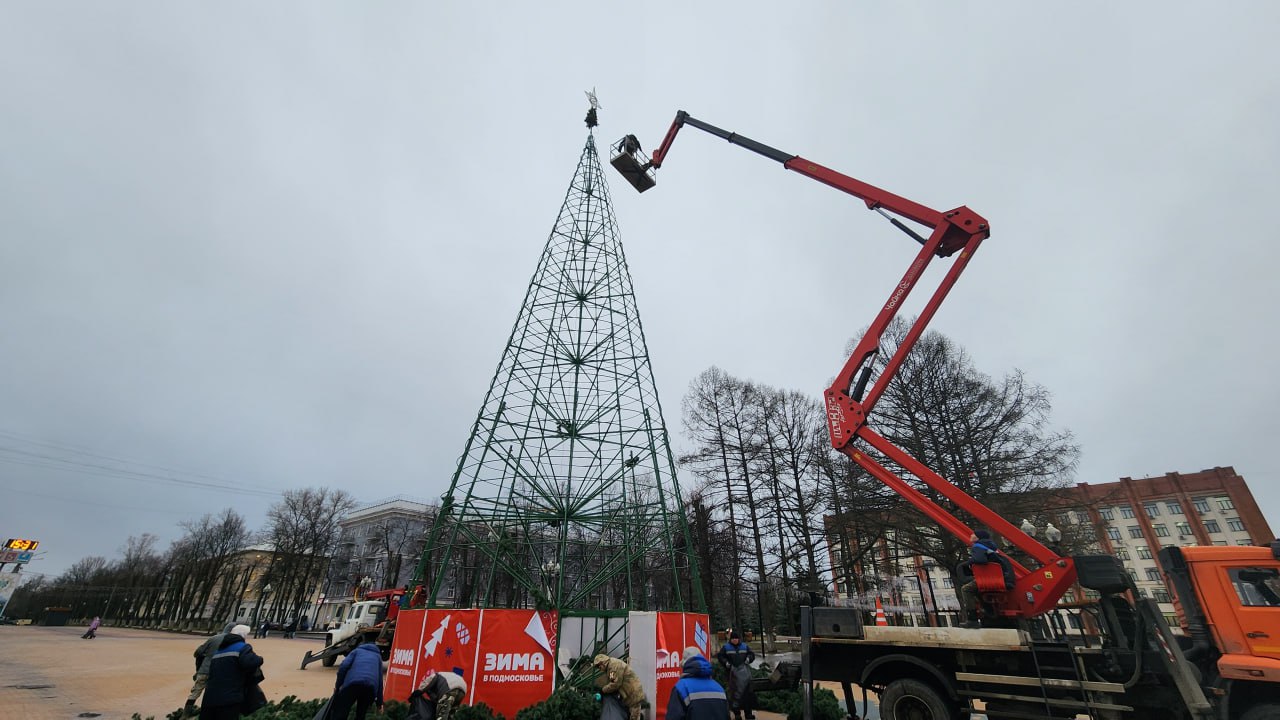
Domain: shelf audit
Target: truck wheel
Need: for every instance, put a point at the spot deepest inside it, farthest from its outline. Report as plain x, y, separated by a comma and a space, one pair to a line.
914, 700
329, 661
1265, 711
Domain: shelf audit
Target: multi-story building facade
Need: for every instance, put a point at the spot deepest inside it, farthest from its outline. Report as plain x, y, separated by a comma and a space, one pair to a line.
1130, 519
263, 584
378, 547
1137, 517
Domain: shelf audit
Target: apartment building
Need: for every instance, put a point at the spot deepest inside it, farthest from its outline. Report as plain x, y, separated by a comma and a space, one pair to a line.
1137, 517
379, 545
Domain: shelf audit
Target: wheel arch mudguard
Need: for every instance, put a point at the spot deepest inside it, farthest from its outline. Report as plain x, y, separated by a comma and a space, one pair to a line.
919, 666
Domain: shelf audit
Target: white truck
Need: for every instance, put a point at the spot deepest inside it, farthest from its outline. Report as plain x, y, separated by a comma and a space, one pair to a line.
373, 618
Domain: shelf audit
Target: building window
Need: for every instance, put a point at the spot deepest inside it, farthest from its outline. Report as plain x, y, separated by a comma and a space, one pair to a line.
1122, 553
1161, 530
1244, 542
1144, 552
1174, 508
1082, 517
1133, 574
1184, 528
1221, 543
1107, 514
1068, 597
1162, 595
946, 582
1152, 509
1202, 505
1212, 526
1226, 504
1171, 619
1235, 524
1126, 511
1092, 594
1153, 574
1113, 533
1074, 621
1135, 532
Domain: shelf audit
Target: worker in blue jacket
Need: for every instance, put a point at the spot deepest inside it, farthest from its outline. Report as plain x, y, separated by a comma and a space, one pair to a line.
737, 657
359, 682
696, 696
983, 550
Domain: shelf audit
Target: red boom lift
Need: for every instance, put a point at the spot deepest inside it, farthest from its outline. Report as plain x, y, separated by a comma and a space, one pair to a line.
851, 398
1225, 665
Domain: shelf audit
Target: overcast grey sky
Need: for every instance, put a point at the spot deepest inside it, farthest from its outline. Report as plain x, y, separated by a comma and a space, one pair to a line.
272, 246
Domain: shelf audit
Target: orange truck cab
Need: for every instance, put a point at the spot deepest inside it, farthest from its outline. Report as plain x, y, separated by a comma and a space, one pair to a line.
1229, 605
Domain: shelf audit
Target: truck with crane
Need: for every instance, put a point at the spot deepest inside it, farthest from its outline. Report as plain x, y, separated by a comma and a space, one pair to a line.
373, 618
1123, 659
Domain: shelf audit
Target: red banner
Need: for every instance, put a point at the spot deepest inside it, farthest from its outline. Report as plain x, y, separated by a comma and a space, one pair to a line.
405, 646
671, 647
676, 631
516, 664
506, 656
697, 632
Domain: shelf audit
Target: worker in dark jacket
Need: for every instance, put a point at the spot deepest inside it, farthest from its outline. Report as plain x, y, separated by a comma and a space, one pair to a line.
359, 682
204, 657
983, 550
696, 696
232, 669
736, 657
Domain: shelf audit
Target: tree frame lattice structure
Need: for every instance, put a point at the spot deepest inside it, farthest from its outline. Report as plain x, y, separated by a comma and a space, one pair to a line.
566, 494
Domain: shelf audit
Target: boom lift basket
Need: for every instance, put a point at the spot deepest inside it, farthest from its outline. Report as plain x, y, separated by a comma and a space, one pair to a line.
627, 158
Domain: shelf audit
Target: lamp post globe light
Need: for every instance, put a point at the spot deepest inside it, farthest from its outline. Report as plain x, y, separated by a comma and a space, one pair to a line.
550, 570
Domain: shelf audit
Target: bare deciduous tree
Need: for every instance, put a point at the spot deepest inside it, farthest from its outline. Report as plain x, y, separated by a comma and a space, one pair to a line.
990, 437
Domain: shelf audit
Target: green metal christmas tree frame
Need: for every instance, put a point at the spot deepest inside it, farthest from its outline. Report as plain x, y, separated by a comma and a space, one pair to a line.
566, 494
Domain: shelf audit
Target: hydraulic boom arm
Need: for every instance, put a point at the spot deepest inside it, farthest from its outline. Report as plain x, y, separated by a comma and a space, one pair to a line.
852, 396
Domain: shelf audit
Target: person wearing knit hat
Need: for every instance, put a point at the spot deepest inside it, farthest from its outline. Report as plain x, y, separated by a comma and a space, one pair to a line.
203, 656
737, 657
235, 671
691, 651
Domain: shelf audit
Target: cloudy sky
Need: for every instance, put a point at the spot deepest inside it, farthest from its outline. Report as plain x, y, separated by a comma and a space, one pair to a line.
246, 248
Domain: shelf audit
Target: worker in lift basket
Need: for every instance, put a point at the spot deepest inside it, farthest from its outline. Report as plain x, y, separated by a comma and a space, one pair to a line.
982, 550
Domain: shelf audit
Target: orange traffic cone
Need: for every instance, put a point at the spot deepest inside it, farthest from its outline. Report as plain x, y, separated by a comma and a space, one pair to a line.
880, 616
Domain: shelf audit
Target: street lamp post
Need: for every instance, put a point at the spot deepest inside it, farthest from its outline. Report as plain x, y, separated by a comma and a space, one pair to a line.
262, 599
551, 571
760, 614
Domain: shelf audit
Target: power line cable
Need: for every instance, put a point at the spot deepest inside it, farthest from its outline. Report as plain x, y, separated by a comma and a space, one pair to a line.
36, 459
95, 455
